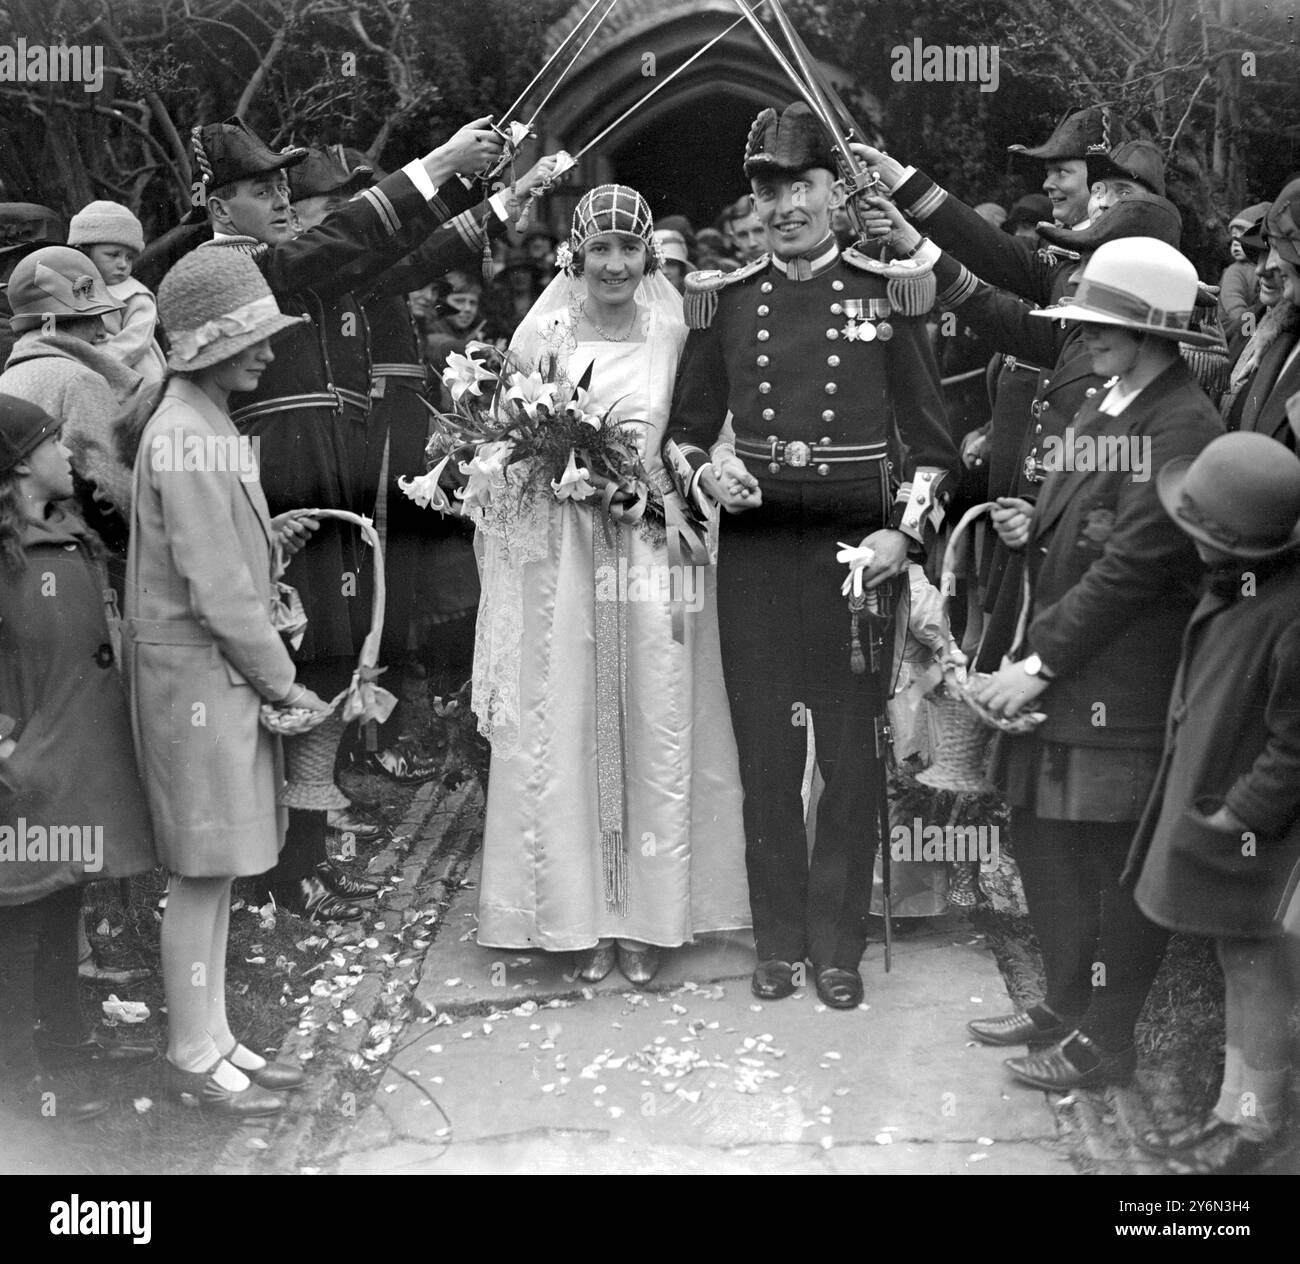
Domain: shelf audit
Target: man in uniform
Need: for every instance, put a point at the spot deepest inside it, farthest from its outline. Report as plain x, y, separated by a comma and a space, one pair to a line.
818, 355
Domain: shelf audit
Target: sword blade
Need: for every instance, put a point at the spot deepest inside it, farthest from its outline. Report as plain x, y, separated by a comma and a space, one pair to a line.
663, 83
550, 61
572, 61
783, 62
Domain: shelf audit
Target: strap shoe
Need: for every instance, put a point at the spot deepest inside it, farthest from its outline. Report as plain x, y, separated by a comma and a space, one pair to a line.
343, 884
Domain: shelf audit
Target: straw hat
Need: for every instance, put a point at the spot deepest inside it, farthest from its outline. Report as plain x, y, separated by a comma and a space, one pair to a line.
214, 304
1140, 284
1240, 494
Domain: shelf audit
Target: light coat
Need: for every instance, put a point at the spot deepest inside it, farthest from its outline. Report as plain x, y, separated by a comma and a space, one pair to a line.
202, 653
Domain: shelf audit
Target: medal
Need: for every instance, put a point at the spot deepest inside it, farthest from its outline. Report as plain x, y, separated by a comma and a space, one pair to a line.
854, 331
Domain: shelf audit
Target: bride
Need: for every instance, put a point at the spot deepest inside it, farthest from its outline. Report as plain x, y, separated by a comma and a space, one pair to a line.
614, 805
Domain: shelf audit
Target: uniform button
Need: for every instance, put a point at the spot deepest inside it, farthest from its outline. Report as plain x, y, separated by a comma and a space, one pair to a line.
764, 388
828, 415
825, 440
763, 361
768, 414
763, 335
832, 334
766, 287
837, 285
1046, 405
763, 309
831, 388
837, 309
1038, 429
104, 655
823, 470
833, 361
1090, 392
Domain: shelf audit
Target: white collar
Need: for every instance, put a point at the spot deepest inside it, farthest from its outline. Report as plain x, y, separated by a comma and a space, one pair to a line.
805, 267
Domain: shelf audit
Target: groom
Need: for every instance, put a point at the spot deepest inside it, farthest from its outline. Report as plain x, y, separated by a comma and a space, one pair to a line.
821, 358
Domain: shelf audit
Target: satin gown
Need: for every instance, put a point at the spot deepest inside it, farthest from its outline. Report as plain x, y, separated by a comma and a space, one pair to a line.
542, 883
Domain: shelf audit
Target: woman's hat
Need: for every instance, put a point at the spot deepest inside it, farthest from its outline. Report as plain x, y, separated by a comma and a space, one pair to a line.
28, 226
1138, 215
214, 304
56, 281
672, 245
1240, 494
106, 223
1282, 223
610, 208
1140, 284
23, 428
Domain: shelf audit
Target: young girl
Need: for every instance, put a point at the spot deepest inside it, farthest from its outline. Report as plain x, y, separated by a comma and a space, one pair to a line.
71, 806
202, 657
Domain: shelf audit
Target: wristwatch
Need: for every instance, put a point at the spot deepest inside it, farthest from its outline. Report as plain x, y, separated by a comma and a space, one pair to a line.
1033, 666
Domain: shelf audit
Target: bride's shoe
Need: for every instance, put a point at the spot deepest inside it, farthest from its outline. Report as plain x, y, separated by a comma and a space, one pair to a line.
640, 964
597, 962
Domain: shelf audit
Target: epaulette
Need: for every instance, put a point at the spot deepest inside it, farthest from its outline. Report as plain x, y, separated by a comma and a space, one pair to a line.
700, 300
249, 245
909, 283
1058, 254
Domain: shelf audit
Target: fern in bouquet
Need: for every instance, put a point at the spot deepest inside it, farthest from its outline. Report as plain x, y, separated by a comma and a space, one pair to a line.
563, 442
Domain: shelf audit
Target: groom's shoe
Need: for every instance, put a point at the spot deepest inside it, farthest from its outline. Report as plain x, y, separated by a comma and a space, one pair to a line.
838, 988
773, 980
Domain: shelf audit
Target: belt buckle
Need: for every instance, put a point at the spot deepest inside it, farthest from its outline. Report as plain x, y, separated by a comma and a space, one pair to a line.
798, 454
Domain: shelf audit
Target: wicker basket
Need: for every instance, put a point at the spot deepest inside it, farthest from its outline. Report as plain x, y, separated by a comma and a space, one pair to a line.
363, 699
954, 684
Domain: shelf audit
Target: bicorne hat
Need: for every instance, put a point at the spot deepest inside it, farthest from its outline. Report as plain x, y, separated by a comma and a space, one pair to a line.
231, 151
790, 142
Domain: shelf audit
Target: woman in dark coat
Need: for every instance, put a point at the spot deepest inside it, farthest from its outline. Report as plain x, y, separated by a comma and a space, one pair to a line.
1113, 585
1221, 834
71, 806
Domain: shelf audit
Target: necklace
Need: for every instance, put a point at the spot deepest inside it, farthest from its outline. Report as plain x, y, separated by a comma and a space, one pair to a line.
627, 333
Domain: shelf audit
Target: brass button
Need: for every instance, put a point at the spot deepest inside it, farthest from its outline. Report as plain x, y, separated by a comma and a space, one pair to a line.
768, 414
832, 334
828, 415
764, 388
837, 309
831, 388
763, 361
763, 309
766, 287
837, 285
763, 335
833, 361
1046, 405
774, 466
1090, 392
824, 441
1038, 429
823, 470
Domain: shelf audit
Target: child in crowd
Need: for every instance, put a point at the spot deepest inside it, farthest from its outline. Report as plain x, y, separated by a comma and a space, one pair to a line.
113, 239
1221, 834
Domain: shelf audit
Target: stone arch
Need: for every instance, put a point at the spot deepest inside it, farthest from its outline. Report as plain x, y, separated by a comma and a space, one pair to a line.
683, 149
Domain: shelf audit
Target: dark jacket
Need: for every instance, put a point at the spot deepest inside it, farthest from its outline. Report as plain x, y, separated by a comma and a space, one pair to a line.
1233, 737
1113, 580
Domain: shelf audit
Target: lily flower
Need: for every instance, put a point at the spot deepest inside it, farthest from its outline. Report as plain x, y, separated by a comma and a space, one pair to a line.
482, 471
463, 375
580, 408
426, 491
573, 484
530, 391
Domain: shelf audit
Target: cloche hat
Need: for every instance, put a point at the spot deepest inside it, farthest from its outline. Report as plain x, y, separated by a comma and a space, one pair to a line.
56, 281
214, 304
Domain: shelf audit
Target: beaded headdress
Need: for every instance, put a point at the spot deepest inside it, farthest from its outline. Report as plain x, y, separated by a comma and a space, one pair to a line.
610, 208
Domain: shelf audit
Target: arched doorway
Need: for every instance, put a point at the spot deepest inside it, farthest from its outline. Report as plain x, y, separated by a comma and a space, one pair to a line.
683, 149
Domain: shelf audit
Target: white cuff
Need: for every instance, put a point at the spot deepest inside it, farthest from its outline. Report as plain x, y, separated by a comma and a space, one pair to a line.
927, 252
419, 177
498, 204
908, 173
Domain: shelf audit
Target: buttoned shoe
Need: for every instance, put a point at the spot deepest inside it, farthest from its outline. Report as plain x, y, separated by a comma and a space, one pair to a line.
1074, 1063
344, 884
276, 1076
639, 965
597, 962
1017, 1029
200, 1088
839, 988
773, 980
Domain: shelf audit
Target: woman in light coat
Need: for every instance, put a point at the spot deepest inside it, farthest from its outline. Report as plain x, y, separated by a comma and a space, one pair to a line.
203, 656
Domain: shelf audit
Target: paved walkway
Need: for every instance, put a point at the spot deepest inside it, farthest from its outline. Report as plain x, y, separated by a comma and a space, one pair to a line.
528, 1071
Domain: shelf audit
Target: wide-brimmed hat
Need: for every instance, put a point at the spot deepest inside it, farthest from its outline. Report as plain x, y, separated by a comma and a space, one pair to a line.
1282, 223
28, 226
672, 245
1251, 221
1140, 284
214, 304
1240, 494
788, 143
326, 169
225, 153
24, 426
1073, 137
1138, 160
1138, 215
56, 281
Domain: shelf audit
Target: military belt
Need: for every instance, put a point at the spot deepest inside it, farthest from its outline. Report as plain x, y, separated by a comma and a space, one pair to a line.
357, 399
821, 456
287, 403
399, 370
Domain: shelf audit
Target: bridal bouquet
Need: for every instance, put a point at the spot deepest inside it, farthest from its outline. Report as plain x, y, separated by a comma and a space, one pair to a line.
532, 431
